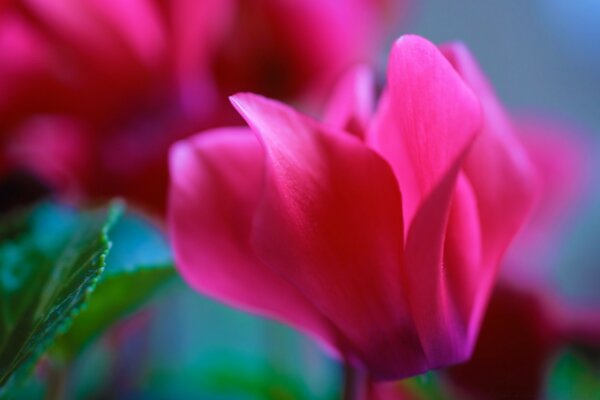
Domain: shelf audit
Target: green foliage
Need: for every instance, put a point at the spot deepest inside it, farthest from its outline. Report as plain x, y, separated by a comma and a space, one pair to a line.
573, 377
61, 288
50, 261
137, 266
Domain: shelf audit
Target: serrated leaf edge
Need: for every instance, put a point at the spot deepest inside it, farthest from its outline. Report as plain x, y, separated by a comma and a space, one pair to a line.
115, 210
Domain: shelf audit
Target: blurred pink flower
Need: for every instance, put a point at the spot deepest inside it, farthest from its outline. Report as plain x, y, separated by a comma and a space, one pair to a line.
134, 76
528, 321
517, 340
564, 163
378, 233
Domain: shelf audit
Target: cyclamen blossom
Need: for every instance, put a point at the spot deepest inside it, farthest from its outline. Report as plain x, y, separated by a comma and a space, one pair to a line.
378, 233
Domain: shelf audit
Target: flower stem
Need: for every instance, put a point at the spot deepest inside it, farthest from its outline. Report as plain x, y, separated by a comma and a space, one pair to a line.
355, 383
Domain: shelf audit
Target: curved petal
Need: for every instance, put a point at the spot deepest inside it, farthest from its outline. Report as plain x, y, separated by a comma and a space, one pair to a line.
82, 33
497, 167
425, 126
330, 221
351, 106
425, 120
28, 58
435, 277
216, 181
137, 22
463, 259
87, 39
197, 28
502, 177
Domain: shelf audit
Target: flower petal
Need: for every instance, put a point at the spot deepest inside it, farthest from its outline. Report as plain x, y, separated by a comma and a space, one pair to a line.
497, 167
426, 124
501, 175
425, 121
216, 180
351, 106
463, 259
136, 21
330, 221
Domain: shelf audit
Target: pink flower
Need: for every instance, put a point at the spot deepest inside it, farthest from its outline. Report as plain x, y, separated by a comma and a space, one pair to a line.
304, 45
517, 340
512, 362
564, 164
135, 76
521, 333
117, 76
378, 233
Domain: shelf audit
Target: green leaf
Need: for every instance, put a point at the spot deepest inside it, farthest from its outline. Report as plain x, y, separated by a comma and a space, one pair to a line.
50, 261
139, 264
572, 376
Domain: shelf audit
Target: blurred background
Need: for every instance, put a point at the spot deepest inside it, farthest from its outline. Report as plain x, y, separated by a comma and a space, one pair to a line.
541, 338
540, 54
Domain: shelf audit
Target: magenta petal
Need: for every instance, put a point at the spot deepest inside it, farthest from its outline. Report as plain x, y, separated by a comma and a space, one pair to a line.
425, 121
462, 249
85, 35
502, 178
330, 221
351, 106
439, 271
137, 22
497, 167
216, 181
197, 27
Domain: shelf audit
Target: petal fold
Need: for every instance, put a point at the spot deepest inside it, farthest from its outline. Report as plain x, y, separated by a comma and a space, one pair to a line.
335, 209
426, 119
425, 126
